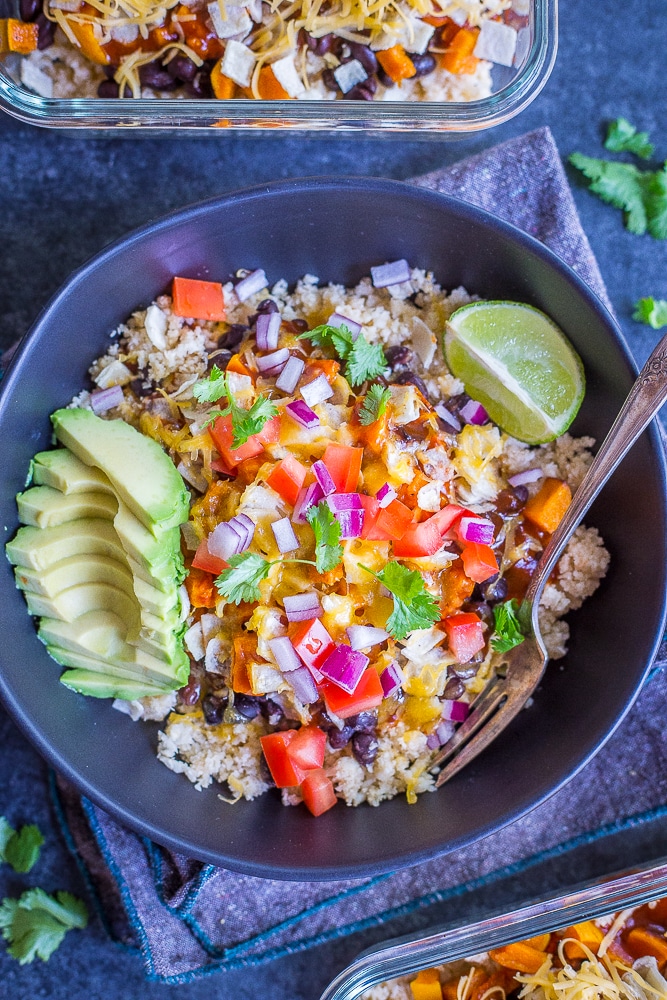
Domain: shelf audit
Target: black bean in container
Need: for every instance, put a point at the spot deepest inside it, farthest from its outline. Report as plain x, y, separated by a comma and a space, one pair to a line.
247, 706
154, 75
233, 337
364, 55
339, 738
182, 69
189, 695
46, 31
454, 688
272, 712
30, 9
423, 64
409, 378
362, 91
365, 748
213, 709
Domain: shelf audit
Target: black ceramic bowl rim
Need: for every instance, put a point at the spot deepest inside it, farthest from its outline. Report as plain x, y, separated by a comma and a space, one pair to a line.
318, 869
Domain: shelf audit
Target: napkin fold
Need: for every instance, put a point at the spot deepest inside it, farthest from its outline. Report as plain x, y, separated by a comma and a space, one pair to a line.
189, 919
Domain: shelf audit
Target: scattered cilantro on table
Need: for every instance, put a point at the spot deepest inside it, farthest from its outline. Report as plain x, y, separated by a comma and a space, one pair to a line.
363, 361
19, 848
508, 630
374, 405
414, 606
651, 311
35, 924
622, 137
328, 550
245, 423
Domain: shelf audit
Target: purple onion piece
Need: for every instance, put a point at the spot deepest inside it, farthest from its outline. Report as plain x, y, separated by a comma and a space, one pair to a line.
268, 328
253, 282
523, 478
344, 501
445, 731
448, 417
337, 319
316, 391
283, 532
351, 523
105, 399
302, 607
365, 636
455, 711
390, 274
385, 495
276, 359
474, 413
308, 496
224, 541
285, 654
245, 528
432, 740
476, 529
290, 374
302, 413
323, 477
303, 685
344, 667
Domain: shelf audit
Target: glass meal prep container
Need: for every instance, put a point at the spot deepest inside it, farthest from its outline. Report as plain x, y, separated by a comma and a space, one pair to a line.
512, 86
411, 954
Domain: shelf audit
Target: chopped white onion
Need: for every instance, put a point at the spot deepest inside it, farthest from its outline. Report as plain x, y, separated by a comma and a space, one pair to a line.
316, 391
394, 273
337, 319
527, 476
290, 374
105, 399
365, 636
284, 535
253, 282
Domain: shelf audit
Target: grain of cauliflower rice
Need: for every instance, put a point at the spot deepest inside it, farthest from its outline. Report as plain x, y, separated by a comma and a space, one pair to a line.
357, 539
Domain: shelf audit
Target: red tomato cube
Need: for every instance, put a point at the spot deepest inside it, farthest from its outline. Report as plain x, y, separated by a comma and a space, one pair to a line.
344, 465
318, 792
370, 529
368, 694
313, 643
479, 562
287, 478
198, 299
421, 539
307, 748
465, 633
284, 771
204, 560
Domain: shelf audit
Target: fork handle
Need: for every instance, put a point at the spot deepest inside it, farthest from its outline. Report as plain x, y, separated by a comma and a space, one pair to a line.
642, 404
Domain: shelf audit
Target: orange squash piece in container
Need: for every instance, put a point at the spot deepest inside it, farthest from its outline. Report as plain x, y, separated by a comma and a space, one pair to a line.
459, 56
17, 36
547, 507
396, 63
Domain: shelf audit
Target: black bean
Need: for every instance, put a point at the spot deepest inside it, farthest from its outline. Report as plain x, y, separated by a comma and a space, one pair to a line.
364, 55
267, 306
139, 386
45, 31
456, 403
424, 64
327, 43
200, 86
189, 695
247, 706
329, 80
339, 738
364, 722
108, 88
233, 337
454, 688
299, 324
409, 378
362, 91
29, 9
181, 68
400, 356
385, 79
495, 589
221, 360
464, 670
271, 711
154, 74
213, 709
479, 607
511, 501
365, 748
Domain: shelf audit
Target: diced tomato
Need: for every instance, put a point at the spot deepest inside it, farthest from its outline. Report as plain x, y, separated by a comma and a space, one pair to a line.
270, 432
221, 432
367, 695
307, 748
344, 465
370, 529
479, 561
204, 560
313, 643
419, 540
198, 299
244, 649
465, 633
395, 519
447, 517
284, 771
287, 478
219, 465
318, 792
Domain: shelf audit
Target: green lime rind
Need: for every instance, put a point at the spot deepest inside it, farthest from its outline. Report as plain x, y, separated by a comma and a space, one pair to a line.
519, 365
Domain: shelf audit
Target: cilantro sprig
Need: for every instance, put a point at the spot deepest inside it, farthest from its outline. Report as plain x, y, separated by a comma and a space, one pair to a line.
245, 423
374, 405
241, 581
622, 137
414, 606
35, 924
19, 848
509, 630
328, 550
651, 311
363, 360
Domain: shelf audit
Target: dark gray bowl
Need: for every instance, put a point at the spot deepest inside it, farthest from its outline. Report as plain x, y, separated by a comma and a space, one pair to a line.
337, 228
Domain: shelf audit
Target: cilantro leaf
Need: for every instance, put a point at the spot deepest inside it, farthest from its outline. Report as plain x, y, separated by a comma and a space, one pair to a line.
35, 924
374, 405
339, 338
328, 550
19, 849
241, 581
414, 606
245, 423
622, 137
363, 360
508, 631
619, 184
655, 197
651, 311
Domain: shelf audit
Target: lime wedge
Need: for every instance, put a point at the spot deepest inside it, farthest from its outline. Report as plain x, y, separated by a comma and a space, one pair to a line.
519, 365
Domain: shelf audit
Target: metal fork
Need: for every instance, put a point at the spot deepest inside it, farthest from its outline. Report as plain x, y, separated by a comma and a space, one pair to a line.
521, 669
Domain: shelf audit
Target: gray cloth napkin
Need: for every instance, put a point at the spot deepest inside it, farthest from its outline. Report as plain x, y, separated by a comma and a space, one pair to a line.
188, 918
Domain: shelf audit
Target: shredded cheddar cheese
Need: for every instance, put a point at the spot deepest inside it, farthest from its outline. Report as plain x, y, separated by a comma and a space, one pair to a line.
596, 979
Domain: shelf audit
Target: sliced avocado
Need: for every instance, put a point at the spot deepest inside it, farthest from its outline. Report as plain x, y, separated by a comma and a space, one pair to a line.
63, 471
142, 475
101, 686
41, 548
66, 658
156, 554
82, 569
73, 602
158, 602
45, 507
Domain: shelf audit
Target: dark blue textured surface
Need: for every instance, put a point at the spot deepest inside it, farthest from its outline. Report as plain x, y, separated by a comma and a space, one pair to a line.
63, 198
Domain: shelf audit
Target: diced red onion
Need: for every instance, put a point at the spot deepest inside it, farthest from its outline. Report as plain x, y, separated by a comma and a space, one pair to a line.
476, 529
283, 533
268, 328
307, 497
303, 685
390, 274
455, 711
474, 413
448, 417
344, 667
432, 741
290, 374
323, 477
391, 679
285, 654
277, 359
344, 501
351, 523
528, 476
316, 391
253, 282
302, 607
337, 319
365, 636
247, 522
243, 531
302, 413
442, 734
225, 541
105, 399
385, 495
